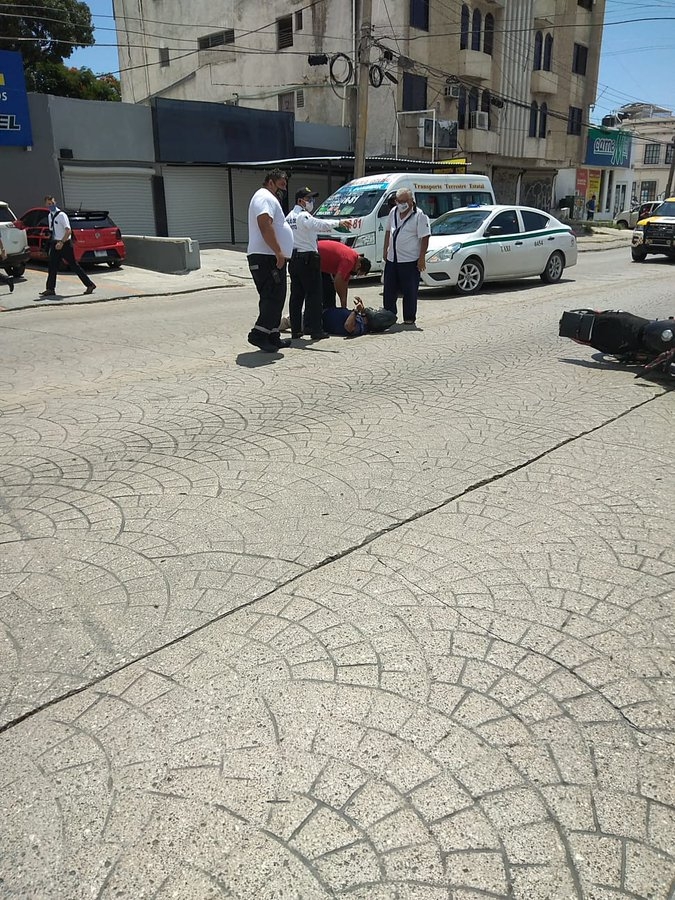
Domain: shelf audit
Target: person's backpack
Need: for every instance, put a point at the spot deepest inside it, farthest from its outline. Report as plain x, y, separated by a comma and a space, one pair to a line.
379, 319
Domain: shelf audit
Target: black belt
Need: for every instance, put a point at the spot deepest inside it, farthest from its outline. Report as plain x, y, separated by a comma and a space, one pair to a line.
305, 253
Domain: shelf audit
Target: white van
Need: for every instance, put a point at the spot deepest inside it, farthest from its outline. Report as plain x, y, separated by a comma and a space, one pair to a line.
367, 202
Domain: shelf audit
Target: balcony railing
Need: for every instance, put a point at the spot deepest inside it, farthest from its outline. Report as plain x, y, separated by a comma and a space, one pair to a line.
543, 82
475, 64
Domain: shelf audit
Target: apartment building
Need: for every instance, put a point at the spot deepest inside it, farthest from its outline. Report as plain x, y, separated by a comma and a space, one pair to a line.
653, 132
508, 84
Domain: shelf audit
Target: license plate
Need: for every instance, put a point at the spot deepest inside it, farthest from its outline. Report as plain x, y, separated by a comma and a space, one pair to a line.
100, 252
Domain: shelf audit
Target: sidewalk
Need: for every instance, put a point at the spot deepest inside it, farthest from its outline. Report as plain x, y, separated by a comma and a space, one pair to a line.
221, 268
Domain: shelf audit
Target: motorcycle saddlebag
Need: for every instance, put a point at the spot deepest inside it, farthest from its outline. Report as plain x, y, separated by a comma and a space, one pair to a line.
577, 325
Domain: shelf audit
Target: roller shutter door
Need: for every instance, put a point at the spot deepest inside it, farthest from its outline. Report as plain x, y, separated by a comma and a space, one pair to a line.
245, 182
198, 203
126, 194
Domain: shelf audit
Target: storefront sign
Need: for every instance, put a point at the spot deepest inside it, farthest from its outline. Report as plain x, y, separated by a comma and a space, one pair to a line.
607, 148
15, 128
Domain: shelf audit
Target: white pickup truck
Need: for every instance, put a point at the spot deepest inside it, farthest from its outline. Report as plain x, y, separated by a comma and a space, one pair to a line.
14, 241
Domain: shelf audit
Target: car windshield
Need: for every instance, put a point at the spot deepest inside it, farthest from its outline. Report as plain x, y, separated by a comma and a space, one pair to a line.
667, 208
6, 214
352, 200
460, 221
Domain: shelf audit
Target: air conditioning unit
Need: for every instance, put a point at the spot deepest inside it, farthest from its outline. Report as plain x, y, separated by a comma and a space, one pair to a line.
446, 134
451, 91
480, 120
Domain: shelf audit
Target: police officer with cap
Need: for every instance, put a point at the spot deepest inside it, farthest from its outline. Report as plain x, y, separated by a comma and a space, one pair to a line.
305, 265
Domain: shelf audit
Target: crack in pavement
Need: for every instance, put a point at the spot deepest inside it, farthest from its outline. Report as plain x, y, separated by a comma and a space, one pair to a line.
331, 559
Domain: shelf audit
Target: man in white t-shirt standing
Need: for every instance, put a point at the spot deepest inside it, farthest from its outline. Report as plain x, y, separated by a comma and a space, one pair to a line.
270, 244
405, 246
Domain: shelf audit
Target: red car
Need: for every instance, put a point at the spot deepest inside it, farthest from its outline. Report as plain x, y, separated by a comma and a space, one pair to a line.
96, 238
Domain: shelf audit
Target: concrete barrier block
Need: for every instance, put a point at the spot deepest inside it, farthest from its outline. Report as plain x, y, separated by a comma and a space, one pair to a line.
172, 255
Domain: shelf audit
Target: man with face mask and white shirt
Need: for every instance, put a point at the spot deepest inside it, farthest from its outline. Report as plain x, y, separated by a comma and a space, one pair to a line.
405, 246
305, 265
61, 247
270, 244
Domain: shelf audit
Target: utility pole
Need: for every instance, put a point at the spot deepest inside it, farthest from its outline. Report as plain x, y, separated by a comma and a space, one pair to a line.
672, 170
362, 90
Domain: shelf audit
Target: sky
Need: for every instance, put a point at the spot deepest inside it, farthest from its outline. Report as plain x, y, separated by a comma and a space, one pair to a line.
636, 62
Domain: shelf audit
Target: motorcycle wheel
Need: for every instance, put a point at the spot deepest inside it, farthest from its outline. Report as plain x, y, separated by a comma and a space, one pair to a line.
638, 254
470, 276
554, 268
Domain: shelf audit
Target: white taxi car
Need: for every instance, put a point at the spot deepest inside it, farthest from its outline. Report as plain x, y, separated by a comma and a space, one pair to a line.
472, 245
14, 241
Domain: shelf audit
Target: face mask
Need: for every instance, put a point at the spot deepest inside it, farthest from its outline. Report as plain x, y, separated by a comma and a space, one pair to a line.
53, 207
402, 208
309, 205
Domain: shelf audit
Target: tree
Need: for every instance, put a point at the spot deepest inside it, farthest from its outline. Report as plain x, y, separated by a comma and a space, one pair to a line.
46, 32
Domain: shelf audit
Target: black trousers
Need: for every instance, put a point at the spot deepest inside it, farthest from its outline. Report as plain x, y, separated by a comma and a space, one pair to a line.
270, 282
306, 288
329, 292
66, 252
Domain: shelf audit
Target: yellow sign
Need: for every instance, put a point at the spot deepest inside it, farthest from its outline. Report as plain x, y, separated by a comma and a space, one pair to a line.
2, 79
459, 165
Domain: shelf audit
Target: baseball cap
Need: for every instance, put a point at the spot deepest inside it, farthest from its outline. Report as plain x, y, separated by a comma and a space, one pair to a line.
305, 192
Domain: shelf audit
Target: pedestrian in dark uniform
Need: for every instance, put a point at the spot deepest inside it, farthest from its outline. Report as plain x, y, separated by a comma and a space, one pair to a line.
305, 266
590, 209
61, 247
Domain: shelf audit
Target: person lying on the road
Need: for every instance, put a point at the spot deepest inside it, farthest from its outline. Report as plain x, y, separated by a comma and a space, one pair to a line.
360, 320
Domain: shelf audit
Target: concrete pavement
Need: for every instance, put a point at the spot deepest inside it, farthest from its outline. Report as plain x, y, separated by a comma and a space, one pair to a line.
386, 618
221, 268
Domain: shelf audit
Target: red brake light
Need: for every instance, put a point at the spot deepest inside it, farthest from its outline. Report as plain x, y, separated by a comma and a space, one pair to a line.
18, 224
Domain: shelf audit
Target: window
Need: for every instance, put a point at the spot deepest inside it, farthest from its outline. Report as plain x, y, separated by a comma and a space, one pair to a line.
464, 28
284, 32
669, 154
533, 221
217, 39
548, 52
476, 22
473, 103
287, 101
164, 60
653, 154
534, 114
419, 14
298, 20
543, 120
300, 98
647, 191
538, 48
486, 106
506, 222
489, 34
586, 4
579, 59
414, 91
574, 120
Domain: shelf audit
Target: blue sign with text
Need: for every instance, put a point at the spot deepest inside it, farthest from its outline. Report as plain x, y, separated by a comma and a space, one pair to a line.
15, 128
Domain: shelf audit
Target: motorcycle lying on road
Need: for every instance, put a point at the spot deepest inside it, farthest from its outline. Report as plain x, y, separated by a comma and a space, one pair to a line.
631, 340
